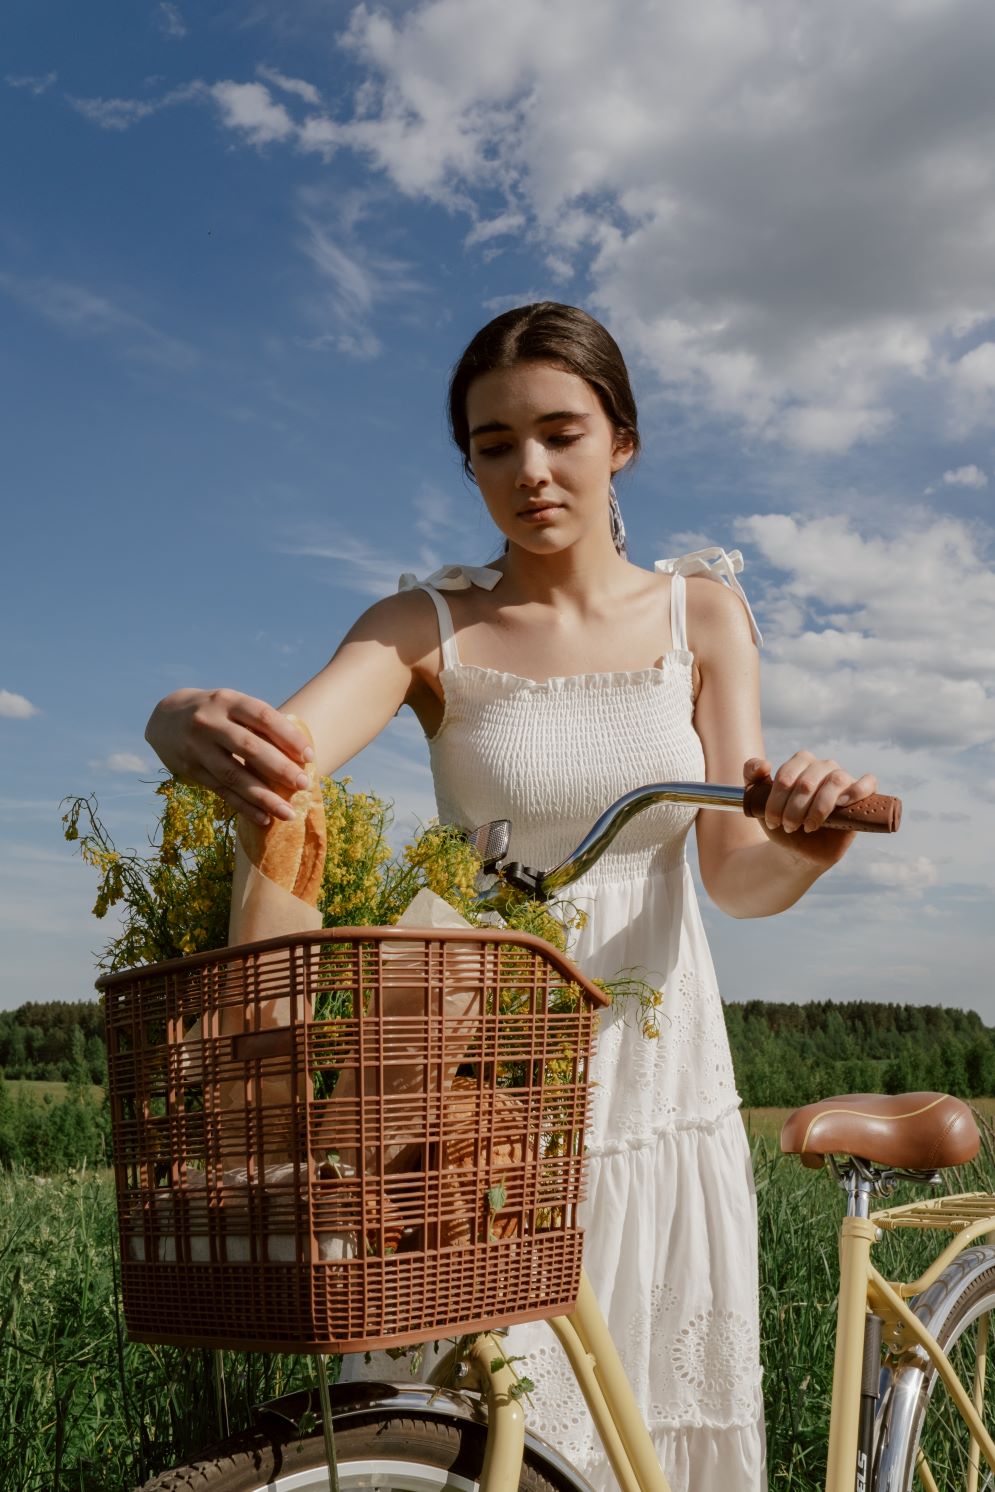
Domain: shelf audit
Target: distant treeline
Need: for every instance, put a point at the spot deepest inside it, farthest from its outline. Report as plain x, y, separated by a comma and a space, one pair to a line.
786, 1055
37, 1040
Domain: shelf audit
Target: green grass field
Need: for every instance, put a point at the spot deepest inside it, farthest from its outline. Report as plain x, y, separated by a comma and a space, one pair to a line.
84, 1410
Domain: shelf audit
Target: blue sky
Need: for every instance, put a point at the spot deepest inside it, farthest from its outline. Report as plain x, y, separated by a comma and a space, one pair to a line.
240, 247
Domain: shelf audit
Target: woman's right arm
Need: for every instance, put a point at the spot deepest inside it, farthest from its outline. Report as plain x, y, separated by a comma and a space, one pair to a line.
247, 751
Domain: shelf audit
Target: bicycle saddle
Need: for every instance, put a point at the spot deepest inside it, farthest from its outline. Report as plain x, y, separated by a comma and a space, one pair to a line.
906, 1131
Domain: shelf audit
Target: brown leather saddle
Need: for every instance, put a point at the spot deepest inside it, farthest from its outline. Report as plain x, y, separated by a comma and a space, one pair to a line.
900, 1131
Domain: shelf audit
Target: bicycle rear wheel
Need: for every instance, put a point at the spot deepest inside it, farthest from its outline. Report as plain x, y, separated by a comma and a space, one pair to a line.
925, 1435
401, 1452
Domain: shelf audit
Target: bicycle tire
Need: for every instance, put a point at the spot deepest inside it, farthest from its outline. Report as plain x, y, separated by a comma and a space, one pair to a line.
403, 1452
952, 1309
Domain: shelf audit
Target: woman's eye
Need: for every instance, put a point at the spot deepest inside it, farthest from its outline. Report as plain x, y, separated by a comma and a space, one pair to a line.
492, 450
563, 440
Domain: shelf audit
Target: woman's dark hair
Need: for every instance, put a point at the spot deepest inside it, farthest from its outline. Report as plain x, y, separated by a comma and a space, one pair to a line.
546, 332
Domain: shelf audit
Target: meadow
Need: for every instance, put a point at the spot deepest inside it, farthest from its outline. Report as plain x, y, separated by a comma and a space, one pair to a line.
82, 1409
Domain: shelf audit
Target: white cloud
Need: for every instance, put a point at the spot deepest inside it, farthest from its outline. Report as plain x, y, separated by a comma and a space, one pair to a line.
127, 762
784, 213
170, 21
122, 113
307, 91
884, 639
249, 107
79, 311
901, 873
355, 281
15, 706
36, 83
487, 229
972, 381
966, 476
784, 210
354, 565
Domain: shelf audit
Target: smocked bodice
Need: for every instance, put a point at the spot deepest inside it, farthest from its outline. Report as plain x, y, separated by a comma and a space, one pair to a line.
552, 756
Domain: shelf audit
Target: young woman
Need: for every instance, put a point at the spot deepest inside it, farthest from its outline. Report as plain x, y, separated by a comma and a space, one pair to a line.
548, 684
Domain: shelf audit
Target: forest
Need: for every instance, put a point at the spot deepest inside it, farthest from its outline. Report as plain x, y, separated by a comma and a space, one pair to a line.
37, 1040
788, 1054
784, 1055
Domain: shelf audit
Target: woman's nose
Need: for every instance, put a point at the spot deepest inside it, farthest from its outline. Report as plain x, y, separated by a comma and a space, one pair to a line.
533, 468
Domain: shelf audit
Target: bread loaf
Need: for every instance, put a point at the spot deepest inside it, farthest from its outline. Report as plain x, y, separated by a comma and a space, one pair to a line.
291, 852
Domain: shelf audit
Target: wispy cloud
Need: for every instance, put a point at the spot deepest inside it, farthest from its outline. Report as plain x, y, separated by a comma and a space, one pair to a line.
351, 563
15, 706
355, 282
34, 83
445, 524
169, 20
307, 91
121, 762
122, 113
78, 311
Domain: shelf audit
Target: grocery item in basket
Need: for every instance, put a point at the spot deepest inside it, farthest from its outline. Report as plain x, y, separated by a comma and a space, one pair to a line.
484, 1136
223, 1214
279, 868
275, 886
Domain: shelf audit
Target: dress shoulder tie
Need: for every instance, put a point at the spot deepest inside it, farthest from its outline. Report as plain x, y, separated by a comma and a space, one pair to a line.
715, 564
449, 578
453, 578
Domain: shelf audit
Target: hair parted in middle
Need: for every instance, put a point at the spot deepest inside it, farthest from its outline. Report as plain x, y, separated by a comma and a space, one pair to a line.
546, 332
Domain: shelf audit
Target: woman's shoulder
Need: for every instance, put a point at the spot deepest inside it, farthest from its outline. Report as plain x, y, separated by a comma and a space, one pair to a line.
715, 613
406, 620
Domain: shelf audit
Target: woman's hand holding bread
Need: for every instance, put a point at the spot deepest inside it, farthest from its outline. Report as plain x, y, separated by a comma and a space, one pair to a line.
250, 754
291, 852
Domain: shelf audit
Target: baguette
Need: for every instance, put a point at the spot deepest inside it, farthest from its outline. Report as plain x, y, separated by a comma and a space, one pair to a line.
291, 852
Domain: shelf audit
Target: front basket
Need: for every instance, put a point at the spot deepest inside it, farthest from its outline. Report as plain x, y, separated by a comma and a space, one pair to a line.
349, 1139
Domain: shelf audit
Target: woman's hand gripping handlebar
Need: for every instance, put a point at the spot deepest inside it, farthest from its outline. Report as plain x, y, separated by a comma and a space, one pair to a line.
876, 814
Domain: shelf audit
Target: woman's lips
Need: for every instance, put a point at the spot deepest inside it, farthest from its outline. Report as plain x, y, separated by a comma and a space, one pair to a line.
537, 515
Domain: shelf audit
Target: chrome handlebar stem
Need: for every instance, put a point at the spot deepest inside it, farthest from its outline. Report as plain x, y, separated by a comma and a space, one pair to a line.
544, 884
601, 834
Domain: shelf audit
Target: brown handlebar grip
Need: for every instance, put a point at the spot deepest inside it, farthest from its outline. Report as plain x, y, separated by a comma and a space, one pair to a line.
874, 815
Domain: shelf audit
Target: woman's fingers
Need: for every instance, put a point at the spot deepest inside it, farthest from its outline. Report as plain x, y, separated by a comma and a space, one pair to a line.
263, 720
806, 789
784, 784
244, 750
241, 788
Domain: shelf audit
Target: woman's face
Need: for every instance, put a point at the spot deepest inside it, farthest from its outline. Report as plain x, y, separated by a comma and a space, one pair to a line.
543, 452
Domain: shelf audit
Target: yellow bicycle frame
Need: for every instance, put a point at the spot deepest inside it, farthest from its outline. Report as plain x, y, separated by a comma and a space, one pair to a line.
588, 1344
863, 1289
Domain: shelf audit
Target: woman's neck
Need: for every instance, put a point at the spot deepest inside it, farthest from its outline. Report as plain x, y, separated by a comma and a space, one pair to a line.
580, 576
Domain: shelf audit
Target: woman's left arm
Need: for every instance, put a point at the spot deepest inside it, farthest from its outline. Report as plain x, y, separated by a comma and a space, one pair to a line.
756, 867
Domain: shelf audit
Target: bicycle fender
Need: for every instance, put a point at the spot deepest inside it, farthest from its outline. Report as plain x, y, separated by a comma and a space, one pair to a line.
354, 1401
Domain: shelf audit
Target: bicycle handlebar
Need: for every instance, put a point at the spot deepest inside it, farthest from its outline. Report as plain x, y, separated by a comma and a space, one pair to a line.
876, 814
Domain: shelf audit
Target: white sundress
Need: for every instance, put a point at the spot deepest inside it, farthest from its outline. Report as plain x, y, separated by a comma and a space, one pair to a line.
670, 1218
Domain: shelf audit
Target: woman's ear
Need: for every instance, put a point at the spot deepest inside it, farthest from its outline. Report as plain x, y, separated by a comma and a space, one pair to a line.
622, 450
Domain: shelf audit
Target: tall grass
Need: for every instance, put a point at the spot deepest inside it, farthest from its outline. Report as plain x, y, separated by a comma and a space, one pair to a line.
84, 1410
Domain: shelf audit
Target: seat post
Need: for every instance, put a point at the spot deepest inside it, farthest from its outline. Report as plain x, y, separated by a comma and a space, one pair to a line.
858, 1193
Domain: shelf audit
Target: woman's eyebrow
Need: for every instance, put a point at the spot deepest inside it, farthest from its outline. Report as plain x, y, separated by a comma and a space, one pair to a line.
556, 414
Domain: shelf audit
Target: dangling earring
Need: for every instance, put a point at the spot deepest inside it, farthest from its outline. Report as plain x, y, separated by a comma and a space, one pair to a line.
615, 520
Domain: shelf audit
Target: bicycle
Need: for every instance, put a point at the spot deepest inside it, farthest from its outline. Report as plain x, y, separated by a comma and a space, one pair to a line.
414, 1437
